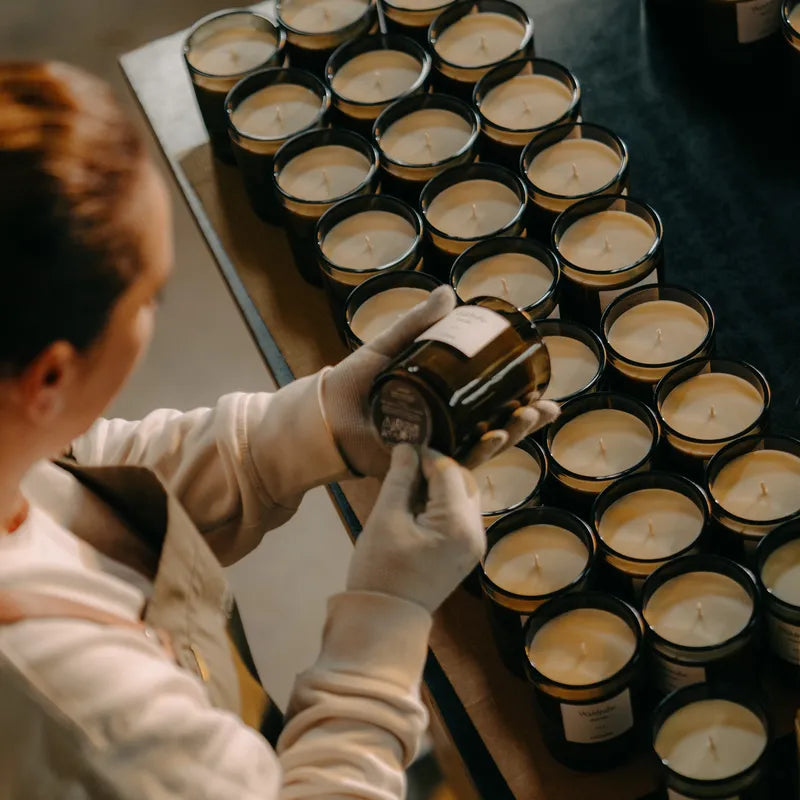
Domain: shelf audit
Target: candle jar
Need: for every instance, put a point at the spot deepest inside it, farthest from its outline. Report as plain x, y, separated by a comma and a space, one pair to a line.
466, 205
606, 245
577, 359
598, 438
378, 302
562, 549
420, 137
739, 30
469, 38
584, 660
463, 377
790, 25
366, 75
702, 617
219, 51
412, 17
754, 486
312, 172
643, 521
265, 110
713, 743
568, 163
520, 271
518, 100
362, 237
511, 481
314, 30
650, 330
703, 405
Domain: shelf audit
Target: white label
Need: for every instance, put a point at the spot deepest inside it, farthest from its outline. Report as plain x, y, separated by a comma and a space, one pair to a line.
671, 676
467, 328
757, 19
784, 639
673, 795
598, 722
607, 297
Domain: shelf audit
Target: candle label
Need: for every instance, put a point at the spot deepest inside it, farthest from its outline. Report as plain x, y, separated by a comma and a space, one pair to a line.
607, 297
757, 19
785, 640
468, 329
598, 722
673, 795
405, 417
671, 676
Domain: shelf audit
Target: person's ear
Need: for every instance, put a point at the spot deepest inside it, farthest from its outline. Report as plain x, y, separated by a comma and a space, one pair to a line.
45, 383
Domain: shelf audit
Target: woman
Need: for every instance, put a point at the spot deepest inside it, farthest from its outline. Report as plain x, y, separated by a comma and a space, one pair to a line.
116, 677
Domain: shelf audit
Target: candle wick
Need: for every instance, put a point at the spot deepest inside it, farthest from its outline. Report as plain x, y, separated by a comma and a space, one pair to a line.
474, 211
428, 142
278, 114
651, 531
377, 79
483, 42
659, 335
602, 445
699, 608
606, 245
325, 179
504, 282
764, 491
490, 485
576, 174
526, 107
537, 565
584, 650
712, 412
234, 55
367, 242
326, 13
712, 745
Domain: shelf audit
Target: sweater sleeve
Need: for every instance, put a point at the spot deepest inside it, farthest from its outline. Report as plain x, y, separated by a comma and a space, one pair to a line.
146, 728
239, 469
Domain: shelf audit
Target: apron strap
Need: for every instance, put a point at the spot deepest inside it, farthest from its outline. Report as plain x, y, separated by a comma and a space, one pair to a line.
19, 605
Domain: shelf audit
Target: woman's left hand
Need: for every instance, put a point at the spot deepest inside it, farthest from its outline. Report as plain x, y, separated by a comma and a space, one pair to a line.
346, 387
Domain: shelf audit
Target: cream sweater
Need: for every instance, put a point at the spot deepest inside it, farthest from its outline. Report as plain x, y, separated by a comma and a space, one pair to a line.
89, 711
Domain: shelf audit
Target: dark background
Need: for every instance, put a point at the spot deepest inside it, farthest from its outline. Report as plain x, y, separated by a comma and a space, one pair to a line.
715, 149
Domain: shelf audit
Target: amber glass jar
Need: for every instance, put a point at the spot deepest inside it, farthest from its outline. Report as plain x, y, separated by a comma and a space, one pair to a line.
462, 377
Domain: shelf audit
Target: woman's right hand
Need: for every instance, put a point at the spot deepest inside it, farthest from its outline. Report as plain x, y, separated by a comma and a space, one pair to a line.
423, 556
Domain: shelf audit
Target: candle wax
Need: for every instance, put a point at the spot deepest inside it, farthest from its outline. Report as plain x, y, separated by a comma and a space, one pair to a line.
527, 101
472, 209
520, 279
574, 167
650, 524
573, 366
713, 405
324, 173
657, 332
420, 5
601, 443
379, 312
369, 240
738, 486
321, 16
427, 136
480, 39
699, 609
536, 560
376, 76
507, 479
781, 572
232, 51
607, 240
711, 740
582, 647
794, 18
277, 111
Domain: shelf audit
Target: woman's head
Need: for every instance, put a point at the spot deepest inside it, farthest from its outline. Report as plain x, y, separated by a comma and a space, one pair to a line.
85, 233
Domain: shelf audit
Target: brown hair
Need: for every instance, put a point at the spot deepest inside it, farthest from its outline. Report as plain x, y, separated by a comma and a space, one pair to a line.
69, 163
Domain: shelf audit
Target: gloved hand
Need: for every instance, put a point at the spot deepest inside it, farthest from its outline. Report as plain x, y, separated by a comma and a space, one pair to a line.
420, 558
346, 387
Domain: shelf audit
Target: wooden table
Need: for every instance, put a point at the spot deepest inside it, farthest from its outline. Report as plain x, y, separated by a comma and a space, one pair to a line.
728, 194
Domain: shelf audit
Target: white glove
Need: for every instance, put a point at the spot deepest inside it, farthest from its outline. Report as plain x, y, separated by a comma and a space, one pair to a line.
346, 387
423, 557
